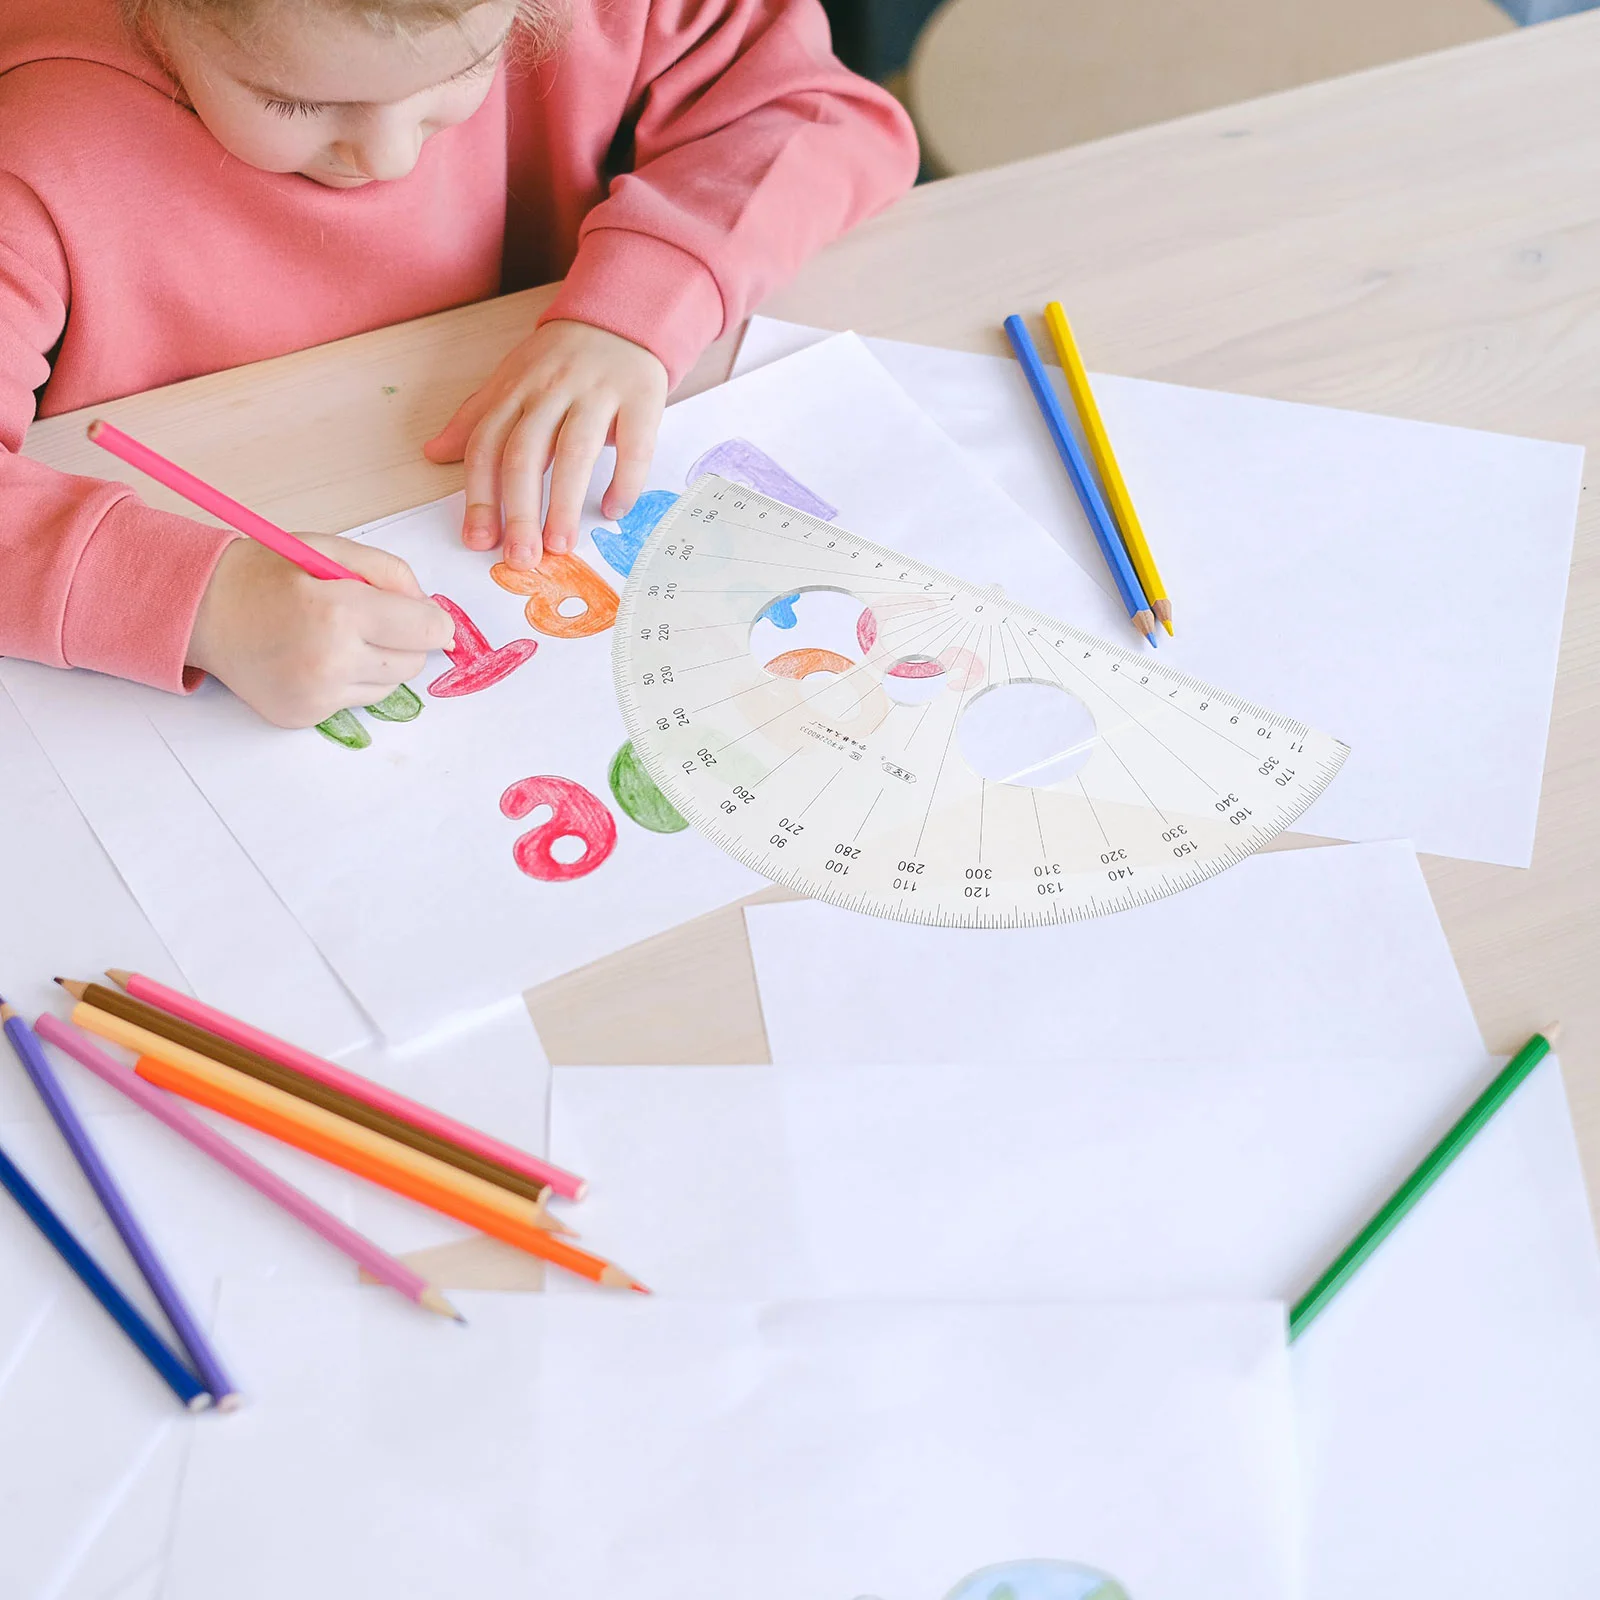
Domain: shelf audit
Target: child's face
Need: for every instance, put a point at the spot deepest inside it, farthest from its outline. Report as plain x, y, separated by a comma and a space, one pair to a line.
324, 95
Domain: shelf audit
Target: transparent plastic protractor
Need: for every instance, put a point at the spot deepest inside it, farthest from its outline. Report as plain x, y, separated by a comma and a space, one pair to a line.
953, 757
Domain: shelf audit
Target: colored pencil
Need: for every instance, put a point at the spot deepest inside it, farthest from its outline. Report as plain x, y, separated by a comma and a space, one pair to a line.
1116, 486
566, 1184
92, 1275
1083, 480
378, 1264
308, 1128
200, 493
1427, 1172
207, 1363
439, 1177
212, 1045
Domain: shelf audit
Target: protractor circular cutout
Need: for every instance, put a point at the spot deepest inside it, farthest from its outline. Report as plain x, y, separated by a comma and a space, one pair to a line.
873, 732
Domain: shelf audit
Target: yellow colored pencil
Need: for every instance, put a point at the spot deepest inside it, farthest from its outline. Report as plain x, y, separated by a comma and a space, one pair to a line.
441, 1179
1094, 429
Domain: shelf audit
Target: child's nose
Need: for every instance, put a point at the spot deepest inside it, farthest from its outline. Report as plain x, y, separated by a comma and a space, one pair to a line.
387, 148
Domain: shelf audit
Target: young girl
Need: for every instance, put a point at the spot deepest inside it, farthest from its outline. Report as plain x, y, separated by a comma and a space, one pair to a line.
187, 185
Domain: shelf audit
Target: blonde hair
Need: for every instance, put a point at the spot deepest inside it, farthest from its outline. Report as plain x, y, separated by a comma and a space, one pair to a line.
539, 28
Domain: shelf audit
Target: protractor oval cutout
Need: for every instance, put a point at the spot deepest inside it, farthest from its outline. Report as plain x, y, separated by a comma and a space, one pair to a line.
922, 748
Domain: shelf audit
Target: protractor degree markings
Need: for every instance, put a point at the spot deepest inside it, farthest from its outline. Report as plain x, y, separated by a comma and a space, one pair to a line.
1134, 723
795, 566
1183, 682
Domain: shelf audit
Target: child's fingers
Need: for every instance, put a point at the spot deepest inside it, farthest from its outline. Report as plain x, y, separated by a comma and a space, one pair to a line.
578, 446
450, 442
380, 568
480, 528
522, 464
637, 425
395, 623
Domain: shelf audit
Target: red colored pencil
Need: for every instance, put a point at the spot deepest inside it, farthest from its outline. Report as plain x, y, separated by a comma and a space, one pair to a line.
198, 492
240, 1033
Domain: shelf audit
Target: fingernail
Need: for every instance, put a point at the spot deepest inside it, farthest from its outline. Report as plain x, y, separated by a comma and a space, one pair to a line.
559, 543
520, 556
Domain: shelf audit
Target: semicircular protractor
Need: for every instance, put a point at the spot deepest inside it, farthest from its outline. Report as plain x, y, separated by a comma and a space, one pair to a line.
970, 763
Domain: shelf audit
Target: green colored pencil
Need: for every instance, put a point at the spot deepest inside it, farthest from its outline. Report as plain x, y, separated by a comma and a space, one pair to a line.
1351, 1259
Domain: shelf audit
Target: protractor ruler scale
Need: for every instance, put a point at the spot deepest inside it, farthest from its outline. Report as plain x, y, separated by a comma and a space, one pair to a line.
944, 755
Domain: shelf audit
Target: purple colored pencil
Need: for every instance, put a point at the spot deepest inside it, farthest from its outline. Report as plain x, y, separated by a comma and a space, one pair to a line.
224, 1392
377, 1263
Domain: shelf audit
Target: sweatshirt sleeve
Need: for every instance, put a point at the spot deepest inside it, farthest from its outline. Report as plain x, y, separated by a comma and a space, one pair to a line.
89, 575
752, 148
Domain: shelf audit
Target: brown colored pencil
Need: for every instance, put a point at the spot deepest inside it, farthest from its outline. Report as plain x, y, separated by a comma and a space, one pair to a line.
206, 1043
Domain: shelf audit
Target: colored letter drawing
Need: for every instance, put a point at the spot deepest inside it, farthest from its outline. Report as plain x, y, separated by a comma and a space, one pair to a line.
474, 665
574, 814
556, 580
621, 549
638, 795
1038, 1580
750, 465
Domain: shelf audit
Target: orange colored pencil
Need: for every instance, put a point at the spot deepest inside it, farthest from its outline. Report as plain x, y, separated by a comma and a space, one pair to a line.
282, 1117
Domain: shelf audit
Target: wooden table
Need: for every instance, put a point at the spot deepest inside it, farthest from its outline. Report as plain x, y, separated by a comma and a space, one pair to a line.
1422, 240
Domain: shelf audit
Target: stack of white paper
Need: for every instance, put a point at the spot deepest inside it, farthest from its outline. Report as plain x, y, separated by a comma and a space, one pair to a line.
1342, 568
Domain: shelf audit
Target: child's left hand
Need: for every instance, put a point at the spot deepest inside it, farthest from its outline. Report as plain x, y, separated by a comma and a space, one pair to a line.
563, 394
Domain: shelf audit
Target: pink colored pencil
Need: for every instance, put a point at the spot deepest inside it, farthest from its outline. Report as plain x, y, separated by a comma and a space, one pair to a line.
377, 1263
200, 493
201, 1015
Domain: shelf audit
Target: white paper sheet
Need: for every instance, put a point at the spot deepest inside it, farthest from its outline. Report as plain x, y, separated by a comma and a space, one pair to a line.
1398, 584
1326, 953
232, 938
658, 1451
1449, 1401
66, 911
716, 1451
411, 831
387, 1452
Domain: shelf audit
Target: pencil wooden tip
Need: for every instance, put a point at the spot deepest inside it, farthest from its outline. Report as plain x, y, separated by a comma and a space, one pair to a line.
432, 1300
93, 430
638, 1288
7, 1012
73, 987
1551, 1033
118, 976
1145, 623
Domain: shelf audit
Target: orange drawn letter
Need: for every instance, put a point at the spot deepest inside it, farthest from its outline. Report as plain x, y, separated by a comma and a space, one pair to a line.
555, 583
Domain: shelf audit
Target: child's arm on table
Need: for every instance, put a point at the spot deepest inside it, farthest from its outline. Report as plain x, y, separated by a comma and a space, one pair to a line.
752, 148
92, 577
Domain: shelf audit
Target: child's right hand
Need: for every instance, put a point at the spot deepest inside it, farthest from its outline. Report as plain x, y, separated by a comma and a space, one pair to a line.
298, 648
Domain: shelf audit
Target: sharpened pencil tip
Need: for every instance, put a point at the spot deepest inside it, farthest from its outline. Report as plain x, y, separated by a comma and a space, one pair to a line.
1551, 1033
1166, 622
638, 1288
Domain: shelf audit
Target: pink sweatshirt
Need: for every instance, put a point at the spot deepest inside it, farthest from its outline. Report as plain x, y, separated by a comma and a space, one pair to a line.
134, 251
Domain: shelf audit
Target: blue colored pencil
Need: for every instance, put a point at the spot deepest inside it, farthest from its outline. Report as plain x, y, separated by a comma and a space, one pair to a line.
154, 1348
1090, 498
31, 1053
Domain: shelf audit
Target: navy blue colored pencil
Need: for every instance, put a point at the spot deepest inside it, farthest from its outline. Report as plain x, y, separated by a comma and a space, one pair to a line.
1101, 523
122, 1311
168, 1296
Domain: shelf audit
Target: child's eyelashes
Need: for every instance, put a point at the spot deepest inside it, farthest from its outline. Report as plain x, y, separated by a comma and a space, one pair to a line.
293, 108
311, 108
